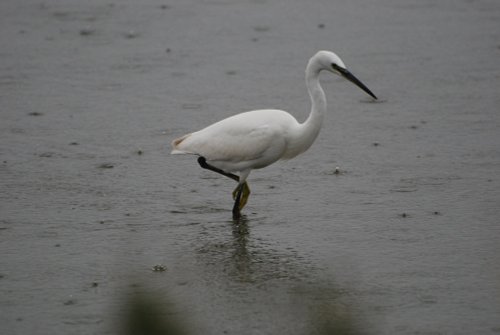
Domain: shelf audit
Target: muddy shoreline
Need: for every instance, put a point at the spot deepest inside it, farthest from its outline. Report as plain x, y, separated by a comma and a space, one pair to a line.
93, 208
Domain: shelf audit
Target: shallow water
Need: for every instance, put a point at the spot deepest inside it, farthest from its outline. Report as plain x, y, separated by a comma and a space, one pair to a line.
403, 241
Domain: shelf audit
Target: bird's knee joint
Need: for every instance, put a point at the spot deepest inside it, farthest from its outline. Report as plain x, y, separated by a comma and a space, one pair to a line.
203, 162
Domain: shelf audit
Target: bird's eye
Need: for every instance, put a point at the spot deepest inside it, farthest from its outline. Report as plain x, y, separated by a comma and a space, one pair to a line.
335, 66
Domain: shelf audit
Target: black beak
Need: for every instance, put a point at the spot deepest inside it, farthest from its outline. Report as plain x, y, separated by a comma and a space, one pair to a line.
349, 76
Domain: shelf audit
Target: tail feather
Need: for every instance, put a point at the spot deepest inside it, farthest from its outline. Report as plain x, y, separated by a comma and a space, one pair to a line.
175, 145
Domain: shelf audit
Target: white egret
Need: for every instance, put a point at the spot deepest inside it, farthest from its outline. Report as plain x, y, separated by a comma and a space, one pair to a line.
256, 139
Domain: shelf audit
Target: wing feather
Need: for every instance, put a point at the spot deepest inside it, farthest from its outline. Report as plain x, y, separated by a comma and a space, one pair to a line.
246, 137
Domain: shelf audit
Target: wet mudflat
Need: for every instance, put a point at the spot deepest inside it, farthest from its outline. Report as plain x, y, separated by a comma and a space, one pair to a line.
401, 239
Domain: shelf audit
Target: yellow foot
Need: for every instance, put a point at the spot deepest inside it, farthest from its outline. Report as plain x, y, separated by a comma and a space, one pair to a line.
245, 193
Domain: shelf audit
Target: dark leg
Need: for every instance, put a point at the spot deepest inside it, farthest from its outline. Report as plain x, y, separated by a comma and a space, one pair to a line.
236, 207
237, 193
203, 163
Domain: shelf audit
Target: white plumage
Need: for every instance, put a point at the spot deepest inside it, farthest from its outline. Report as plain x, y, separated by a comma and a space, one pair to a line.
250, 140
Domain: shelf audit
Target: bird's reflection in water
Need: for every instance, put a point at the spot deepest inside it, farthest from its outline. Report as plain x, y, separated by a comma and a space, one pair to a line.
231, 252
241, 257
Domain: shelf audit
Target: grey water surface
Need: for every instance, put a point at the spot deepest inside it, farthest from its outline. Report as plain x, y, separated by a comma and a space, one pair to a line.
403, 240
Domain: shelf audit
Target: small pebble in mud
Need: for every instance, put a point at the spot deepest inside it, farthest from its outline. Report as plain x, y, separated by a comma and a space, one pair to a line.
321, 25
413, 127
375, 144
437, 213
139, 152
69, 302
95, 284
35, 114
131, 34
164, 6
404, 215
106, 166
168, 50
159, 268
57, 245
74, 143
87, 31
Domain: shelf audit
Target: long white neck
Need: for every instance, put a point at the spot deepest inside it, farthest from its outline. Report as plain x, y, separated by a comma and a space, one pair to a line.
309, 130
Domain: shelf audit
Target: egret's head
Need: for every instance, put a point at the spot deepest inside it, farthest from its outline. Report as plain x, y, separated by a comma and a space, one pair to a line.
327, 60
